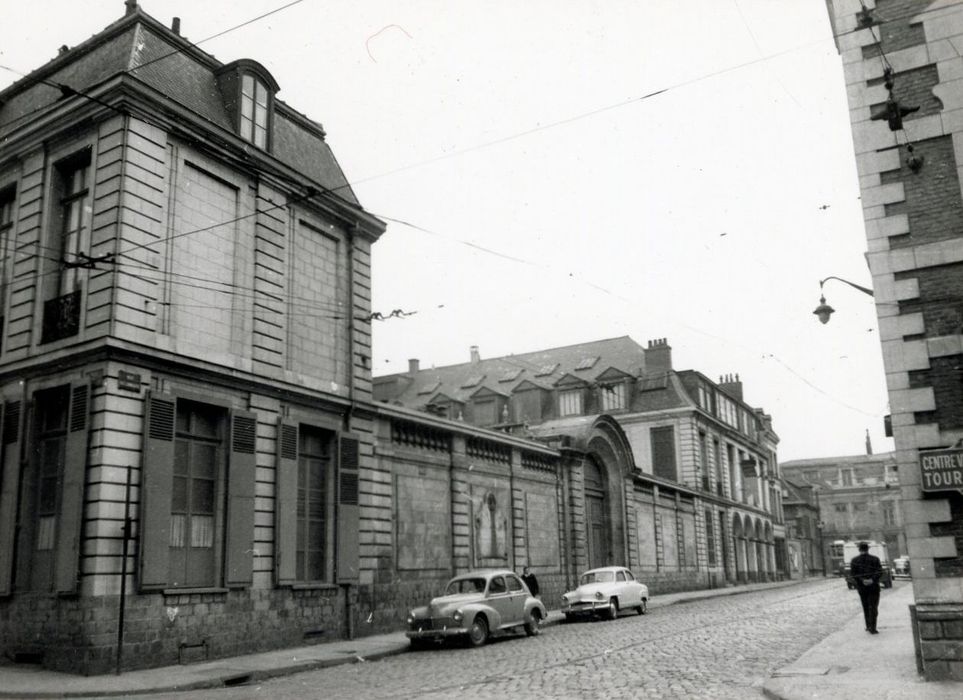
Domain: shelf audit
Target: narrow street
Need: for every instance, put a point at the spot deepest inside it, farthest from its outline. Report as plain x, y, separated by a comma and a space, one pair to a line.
722, 647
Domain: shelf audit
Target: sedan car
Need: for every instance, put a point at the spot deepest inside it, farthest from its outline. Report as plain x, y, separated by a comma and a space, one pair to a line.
476, 605
604, 592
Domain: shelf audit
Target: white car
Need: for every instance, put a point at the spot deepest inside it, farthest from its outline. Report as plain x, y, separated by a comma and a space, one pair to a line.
604, 592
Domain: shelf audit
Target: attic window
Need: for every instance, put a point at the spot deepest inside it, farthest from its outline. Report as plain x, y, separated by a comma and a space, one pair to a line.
474, 380
255, 102
429, 388
653, 382
510, 376
587, 363
546, 370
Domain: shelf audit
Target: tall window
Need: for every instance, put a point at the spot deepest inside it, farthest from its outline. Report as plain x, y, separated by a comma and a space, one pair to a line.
570, 402
315, 505
613, 397
847, 477
704, 461
889, 512
254, 110
710, 538
49, 451
663, 451
6, 245
196, 501
74, 198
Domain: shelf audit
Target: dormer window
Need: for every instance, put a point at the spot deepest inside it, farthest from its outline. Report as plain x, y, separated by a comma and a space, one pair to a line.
248, 91
254, 110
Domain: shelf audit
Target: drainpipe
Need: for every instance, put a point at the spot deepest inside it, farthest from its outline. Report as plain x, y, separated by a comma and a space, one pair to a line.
349, 414
123, 573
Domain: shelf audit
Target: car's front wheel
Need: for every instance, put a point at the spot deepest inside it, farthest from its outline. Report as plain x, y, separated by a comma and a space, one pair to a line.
612, 611
478, 632
532, 622
641, 607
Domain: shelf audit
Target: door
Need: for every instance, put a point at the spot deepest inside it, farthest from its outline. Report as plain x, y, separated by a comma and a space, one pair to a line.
596, 517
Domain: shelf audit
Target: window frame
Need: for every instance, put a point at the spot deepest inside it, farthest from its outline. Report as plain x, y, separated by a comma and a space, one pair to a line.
248, 127
575, 397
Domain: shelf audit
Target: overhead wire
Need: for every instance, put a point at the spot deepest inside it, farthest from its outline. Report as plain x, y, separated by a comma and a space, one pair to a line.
67, 91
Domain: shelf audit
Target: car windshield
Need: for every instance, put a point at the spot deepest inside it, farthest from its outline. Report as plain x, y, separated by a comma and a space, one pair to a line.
598, 577
465, 585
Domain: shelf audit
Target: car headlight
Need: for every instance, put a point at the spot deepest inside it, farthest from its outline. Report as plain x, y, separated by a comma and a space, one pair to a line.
564, 600
598, 595
457, 616
411, 616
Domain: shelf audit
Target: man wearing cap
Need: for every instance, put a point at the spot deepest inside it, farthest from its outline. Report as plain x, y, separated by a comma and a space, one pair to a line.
866, 571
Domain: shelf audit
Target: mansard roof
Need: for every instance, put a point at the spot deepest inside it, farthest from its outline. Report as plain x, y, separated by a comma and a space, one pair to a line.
140, 51
541, 369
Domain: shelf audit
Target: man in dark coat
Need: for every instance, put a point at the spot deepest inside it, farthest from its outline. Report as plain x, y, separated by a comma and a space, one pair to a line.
866, 570
530, 581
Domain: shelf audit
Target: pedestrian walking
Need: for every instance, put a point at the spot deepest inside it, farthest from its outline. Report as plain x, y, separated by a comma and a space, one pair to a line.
866, 570
530, 581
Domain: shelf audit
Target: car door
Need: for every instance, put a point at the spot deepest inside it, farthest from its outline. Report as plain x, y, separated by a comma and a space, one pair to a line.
500, 599
519, 594
633, 589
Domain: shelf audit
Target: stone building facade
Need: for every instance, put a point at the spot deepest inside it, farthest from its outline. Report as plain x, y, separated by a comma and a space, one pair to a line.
803, 528
902, 67
665, 471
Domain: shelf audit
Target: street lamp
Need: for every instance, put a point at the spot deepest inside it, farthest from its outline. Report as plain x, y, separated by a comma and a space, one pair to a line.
824, 310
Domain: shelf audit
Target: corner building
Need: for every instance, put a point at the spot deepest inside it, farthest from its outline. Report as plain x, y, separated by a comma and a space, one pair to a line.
902, 68
185, 338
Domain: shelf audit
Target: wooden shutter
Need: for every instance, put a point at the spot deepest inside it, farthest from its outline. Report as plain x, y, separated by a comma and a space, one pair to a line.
70, 519
286, 504
156, 482
348, 517
239, 540
10, 429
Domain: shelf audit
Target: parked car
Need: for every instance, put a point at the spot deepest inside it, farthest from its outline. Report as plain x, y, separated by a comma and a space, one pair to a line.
476, 605
604, 592
901, 567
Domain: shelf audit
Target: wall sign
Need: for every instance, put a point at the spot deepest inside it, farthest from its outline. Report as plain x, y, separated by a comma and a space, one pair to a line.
942, 470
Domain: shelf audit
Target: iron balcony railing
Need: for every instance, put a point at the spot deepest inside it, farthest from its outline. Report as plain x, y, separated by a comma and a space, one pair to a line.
61, 317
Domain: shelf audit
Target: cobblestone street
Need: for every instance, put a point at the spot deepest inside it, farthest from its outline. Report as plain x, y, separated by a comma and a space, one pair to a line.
723, 647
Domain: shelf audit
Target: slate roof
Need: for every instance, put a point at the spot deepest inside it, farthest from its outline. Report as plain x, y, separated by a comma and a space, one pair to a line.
412, 390
131, 47
798, 464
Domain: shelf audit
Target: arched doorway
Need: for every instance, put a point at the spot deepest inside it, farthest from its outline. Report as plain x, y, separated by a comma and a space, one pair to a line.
740, 544
597, 525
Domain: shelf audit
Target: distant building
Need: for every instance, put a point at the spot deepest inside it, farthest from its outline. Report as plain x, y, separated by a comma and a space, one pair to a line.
902, 66
674, 474
801, 509
858, 498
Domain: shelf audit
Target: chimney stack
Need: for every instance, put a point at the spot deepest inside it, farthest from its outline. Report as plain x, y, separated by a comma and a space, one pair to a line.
732, 385
176, 26
413, 365
475, 357
658, 356
131, 7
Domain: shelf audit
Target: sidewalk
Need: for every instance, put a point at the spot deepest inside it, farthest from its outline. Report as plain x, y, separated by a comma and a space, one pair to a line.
33, 682
851, 663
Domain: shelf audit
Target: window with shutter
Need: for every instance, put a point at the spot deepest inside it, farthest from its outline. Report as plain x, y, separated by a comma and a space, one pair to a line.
53, 488
196, 499
10, 425
347, 515
286, 504
239, 540
72, 498
155, 492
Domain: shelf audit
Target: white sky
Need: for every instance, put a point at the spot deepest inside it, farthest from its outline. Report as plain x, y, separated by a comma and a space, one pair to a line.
694, 215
